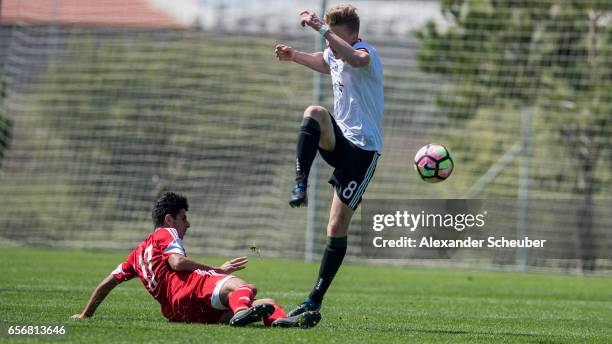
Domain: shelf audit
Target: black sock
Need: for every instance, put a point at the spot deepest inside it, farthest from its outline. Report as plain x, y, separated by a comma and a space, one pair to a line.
307, 146
332, 259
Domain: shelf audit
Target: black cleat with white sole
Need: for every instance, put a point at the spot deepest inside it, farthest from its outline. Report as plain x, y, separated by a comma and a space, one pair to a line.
304, 320
304, 307
251, 315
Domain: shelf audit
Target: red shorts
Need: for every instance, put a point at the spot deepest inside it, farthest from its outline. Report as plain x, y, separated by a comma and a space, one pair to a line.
198, 299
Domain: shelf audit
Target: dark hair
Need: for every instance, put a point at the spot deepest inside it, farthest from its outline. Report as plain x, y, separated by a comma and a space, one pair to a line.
170, 203
343, 15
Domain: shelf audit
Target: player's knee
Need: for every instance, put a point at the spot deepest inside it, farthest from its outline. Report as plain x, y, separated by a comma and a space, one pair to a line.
336, 228
316, 112
236, 283
252, 287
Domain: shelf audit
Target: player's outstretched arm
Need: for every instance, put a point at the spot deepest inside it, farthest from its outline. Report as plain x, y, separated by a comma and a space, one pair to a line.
356, 58
313, 61
179, 262
343, 50
98, 296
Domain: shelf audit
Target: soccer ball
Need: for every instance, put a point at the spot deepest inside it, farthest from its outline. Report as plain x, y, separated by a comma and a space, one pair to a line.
433, 163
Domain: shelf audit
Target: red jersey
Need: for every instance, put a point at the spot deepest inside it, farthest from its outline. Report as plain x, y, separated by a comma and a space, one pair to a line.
183, 296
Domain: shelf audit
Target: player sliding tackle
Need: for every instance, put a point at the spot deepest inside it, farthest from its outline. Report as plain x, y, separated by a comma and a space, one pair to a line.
189, 291
350, 139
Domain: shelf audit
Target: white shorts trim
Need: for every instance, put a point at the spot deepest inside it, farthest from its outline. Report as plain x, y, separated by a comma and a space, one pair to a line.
215, 299
364, 183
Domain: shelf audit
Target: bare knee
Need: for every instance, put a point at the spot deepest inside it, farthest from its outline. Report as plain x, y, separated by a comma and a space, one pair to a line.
339, 218
235, 283
338, 224
316, 112
337, 228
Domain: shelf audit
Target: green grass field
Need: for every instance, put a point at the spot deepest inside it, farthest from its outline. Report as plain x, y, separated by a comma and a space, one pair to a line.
365, 304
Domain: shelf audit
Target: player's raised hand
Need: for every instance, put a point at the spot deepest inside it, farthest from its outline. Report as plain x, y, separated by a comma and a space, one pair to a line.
284, 52
233, 265
311, 19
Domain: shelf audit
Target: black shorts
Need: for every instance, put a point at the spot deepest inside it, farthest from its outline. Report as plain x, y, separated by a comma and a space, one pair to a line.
353, 168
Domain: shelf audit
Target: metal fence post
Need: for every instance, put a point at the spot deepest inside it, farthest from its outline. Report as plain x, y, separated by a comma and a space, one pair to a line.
523, 188
311, 221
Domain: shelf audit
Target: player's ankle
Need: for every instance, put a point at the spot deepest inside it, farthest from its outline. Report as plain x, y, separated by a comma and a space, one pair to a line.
310, 302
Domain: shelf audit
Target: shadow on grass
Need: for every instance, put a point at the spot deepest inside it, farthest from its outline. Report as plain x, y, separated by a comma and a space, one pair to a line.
403, 329
442, 331
533, 338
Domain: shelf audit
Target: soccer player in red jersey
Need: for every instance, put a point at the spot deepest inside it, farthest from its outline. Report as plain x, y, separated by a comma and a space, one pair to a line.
186, 290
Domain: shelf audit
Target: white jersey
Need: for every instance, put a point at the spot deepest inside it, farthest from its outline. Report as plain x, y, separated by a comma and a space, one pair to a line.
358, 98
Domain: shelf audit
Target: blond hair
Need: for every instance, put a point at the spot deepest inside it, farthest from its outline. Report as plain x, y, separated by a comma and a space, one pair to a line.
343, 15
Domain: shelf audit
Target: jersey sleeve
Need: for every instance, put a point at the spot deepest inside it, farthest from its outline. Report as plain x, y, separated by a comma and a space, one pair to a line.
326, 53
125, 271
365, 47
361, 46
171, 243
371, 67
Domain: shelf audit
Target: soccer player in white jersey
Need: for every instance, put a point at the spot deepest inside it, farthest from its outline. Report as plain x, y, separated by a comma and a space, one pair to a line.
350, 139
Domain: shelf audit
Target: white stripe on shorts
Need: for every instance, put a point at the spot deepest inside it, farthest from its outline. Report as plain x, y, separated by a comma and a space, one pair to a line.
364, 182
215, 299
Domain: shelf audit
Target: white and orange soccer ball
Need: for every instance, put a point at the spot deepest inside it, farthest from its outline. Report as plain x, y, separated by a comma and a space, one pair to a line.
433, 163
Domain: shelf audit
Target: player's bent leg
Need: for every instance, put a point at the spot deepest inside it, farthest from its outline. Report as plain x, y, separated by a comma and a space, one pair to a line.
327, 140
239, 295
316, 131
